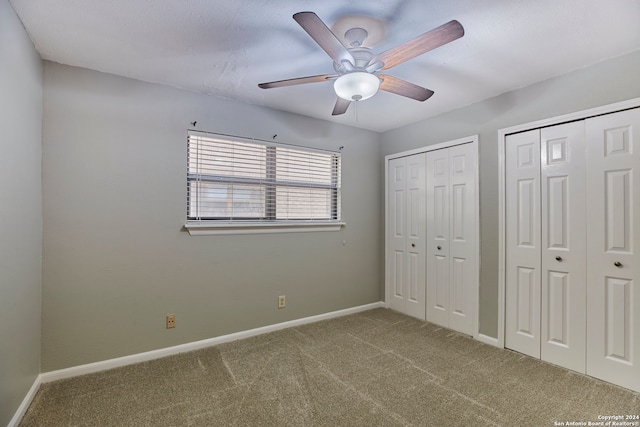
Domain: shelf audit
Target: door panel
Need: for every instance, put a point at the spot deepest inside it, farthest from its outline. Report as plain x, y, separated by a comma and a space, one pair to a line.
458, 208
618, 211
462, 246
397, 240
438, 237
613, 270
558, 311
523, 246
557, 220
398, 277
440, 299
415, 241
526, 215
451, 234
618, 320
440, 213
458, 288
526, 310
558, 303
414, 285
406, 221
563, 303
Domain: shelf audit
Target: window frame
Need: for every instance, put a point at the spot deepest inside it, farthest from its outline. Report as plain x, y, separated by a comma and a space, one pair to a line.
268, 223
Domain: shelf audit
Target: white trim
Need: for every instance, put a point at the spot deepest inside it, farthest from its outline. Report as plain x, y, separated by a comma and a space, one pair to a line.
502, 135
386, 240
501, 236
212, 228
432, 147
196, 345
22, 409
476, 322
489, 340
473, 139
578, 115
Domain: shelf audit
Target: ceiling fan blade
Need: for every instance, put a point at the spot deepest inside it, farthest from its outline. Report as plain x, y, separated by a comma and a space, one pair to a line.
322, 35
430, 40
404, 88
297, 81
341, 106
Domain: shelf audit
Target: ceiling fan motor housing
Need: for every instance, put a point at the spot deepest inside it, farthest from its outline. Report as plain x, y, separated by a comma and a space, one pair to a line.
363, 57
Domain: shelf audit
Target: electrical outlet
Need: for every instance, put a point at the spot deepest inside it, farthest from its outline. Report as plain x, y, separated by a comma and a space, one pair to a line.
282, 301
171, 321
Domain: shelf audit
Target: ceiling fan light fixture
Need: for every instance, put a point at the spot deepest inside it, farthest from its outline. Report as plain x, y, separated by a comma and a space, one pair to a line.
356, 86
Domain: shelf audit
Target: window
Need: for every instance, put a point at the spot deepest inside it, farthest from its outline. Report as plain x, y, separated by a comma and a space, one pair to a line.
239, 183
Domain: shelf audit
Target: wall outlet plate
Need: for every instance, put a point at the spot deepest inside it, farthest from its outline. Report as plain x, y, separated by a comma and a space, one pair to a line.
171, 321
282, 301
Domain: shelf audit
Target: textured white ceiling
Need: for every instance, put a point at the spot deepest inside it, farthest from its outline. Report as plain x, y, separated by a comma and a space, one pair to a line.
225, 48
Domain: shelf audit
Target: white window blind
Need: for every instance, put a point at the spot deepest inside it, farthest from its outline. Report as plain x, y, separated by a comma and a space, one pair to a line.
231, 179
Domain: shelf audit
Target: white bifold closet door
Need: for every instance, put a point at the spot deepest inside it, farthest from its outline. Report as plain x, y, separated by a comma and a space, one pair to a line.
564, 297
613, 235
546, 283
523, 242
572, 236
451, 234
407, 234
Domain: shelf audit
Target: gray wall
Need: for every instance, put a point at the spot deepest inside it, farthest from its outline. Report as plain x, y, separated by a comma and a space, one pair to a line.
605, 83
20, 212
115, 257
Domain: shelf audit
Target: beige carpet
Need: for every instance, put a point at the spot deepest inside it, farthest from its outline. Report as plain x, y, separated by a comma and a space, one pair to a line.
376, 368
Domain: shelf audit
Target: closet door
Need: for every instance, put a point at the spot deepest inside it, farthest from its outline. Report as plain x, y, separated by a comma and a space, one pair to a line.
563, 274
613, 242
438, 237
415, 220
462, 239
451, 235
523, 246
407, 234
397, 188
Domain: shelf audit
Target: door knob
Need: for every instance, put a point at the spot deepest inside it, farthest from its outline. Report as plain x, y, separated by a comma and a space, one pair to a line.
413, 245
617, 264
559, 258
439, 247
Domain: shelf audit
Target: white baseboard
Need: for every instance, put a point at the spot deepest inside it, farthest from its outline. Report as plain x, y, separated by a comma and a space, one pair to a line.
196, 345
22, 409
489, 340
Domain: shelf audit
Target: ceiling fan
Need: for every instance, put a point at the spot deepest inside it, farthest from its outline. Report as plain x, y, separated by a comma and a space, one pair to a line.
357, 67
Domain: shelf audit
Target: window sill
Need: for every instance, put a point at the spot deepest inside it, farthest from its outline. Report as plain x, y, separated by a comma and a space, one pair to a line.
216, 228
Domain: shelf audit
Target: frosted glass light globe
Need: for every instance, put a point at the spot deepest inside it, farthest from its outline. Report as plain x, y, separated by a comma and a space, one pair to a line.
356, 86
